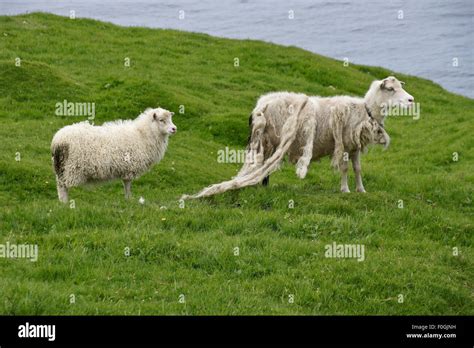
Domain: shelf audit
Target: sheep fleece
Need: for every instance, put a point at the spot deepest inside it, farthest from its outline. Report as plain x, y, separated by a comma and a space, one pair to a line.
121, 149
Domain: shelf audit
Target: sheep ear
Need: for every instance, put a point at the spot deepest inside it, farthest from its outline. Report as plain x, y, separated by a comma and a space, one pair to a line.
382, 85
172, 113
154, 116
402, 83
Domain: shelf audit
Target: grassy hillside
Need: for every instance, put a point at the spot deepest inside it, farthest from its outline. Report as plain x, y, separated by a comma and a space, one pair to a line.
190, 251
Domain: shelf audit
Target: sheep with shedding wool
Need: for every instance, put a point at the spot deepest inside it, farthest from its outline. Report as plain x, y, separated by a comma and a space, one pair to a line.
83, 153
309, 128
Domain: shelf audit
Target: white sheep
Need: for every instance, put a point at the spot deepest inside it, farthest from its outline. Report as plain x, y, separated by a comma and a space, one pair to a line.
341, 125
308, 128
83, 153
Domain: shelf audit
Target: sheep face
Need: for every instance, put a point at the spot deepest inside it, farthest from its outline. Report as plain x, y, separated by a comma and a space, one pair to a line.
372, 132
162, 121
378, 134
392, 93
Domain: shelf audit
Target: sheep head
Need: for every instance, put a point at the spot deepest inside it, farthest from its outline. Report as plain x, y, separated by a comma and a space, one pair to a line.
385, 94
161, 120
371, 132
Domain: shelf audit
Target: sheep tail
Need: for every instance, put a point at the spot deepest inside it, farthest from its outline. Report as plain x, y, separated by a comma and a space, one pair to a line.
60, 153
257, 174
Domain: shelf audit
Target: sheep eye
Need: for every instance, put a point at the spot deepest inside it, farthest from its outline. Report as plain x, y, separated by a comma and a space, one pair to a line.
391, 89
162, 121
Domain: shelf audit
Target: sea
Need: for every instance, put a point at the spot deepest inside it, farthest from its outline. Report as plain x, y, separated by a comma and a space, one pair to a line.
433, 39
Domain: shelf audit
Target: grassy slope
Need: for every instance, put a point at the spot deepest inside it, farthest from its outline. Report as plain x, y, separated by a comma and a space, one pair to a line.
190, 251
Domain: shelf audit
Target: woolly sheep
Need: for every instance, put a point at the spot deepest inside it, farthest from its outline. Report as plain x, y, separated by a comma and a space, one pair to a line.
309, 128
83, 153
340, 123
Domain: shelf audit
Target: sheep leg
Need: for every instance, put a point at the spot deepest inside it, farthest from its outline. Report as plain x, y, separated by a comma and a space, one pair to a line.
337, 130
266, 180
344, 169
62, 193
357, 171
127, 185
305, 159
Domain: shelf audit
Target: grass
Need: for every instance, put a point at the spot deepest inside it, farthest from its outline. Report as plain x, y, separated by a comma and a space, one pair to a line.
190, 251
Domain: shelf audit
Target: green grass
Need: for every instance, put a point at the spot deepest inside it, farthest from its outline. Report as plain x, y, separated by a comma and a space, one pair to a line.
190, 251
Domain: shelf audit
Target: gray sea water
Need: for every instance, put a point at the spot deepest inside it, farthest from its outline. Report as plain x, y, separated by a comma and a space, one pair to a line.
428, 38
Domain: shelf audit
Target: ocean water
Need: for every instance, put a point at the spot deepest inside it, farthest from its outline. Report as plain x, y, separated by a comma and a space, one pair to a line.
427, 38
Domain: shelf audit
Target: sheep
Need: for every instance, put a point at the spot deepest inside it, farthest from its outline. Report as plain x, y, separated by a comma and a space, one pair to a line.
340, 126
83, 153
345, 113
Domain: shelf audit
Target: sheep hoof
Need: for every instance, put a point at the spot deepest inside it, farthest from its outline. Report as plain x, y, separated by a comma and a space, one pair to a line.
63, 194
301, 172
345, 190
362, 190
